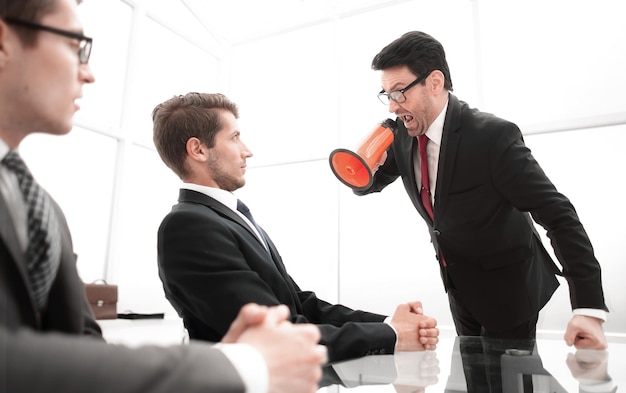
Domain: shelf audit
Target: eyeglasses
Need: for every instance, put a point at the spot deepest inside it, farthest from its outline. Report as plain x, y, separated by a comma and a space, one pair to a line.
398, 95
84, 46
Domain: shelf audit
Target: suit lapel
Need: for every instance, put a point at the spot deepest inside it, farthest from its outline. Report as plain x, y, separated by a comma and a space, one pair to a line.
198, 197
275, 257
220, 208
9, 237
447, 154
408, 153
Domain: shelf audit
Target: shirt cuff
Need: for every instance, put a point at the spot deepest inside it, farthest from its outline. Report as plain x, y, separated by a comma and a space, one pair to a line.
592, 312
602, 387
250, 365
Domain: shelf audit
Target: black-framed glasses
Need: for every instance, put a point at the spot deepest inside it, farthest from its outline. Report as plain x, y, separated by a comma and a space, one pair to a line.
84, 46
398, 95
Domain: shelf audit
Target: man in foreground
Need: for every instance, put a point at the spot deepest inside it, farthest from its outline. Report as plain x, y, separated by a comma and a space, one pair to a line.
49, 340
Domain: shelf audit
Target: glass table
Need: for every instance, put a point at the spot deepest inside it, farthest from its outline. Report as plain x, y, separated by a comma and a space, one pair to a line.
476, 364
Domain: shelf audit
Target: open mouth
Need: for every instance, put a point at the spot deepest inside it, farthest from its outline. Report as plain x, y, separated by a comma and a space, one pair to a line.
407, 118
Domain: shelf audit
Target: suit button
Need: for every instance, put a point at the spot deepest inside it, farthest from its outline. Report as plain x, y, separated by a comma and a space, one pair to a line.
436, 232
382, 351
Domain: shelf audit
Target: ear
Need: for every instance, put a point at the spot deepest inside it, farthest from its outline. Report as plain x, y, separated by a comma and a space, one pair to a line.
196, 150
437, 80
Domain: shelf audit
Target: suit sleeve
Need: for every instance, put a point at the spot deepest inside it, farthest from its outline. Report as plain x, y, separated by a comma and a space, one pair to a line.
347, 333
41, 363
384, 176
389, 171
522, 181
211, 266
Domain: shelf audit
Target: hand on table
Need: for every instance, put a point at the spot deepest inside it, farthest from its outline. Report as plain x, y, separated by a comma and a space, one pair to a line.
585, 333
291, 351
416, 331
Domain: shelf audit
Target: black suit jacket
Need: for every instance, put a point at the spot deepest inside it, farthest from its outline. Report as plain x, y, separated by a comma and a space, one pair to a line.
211, 263
62, 349
488, 188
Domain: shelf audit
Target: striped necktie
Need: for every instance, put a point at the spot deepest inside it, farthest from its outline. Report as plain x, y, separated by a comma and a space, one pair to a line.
44, 243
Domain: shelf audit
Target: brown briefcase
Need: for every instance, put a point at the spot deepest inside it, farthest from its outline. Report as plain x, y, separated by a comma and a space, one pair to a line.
102, 299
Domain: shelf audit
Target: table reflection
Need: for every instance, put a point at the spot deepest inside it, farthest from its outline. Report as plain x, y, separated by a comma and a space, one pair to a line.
477, 364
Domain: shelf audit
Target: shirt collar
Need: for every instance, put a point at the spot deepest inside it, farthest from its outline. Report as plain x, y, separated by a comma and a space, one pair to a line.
435, 131
226, 198
4, 149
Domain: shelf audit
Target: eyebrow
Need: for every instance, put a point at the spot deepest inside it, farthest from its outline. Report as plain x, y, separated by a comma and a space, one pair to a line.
395, 87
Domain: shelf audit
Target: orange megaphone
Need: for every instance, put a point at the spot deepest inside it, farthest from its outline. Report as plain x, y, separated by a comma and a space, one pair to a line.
355, 169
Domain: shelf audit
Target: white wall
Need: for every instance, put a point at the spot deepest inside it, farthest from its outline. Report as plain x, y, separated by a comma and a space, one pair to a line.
547, 65
539, 64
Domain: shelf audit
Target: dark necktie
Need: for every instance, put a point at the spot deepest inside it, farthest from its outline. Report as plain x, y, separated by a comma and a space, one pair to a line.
243, 209
425, 189
44, 245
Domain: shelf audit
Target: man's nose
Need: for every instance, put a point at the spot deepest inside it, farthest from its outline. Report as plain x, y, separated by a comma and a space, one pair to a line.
393, 106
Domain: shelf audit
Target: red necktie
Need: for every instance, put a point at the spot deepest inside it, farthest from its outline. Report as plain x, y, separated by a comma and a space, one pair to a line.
425, 189
422, 141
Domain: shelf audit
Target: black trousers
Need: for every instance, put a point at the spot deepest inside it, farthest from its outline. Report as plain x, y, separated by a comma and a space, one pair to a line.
482, 359
467, 325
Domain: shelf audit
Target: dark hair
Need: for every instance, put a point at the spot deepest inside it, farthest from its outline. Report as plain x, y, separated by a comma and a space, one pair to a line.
187, 116
419, 51
28, 11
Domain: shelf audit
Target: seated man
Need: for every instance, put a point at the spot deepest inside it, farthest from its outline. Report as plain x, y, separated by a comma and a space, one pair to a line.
49, 339
213, 258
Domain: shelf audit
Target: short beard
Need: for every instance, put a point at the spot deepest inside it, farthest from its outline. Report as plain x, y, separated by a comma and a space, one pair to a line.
221, 177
